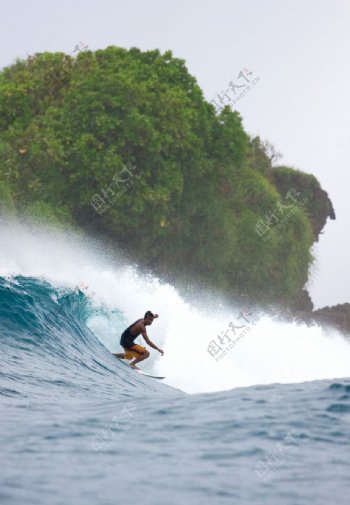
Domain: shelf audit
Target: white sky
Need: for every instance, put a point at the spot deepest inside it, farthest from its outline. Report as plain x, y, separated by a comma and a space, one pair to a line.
298, 48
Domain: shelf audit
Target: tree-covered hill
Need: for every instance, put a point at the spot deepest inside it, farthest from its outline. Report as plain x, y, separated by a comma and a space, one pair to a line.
123, 142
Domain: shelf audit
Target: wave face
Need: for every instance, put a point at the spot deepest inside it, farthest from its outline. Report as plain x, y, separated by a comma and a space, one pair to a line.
48, 350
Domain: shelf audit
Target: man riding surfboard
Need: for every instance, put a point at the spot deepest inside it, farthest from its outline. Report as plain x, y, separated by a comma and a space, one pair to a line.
129, 335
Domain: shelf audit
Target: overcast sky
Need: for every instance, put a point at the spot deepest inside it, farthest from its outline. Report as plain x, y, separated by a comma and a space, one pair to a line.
298, 48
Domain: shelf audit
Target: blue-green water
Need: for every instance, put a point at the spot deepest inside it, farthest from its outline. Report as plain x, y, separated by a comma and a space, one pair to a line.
79, 427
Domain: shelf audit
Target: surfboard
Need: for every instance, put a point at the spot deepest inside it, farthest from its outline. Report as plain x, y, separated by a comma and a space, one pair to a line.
140, 371
148, 375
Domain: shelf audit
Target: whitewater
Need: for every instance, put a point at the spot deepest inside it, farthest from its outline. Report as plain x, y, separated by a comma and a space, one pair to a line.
250, 402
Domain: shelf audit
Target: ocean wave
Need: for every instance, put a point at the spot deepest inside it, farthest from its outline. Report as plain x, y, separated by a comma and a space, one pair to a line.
48, 349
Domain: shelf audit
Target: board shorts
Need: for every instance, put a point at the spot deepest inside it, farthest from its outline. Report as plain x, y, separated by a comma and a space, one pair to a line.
134, 351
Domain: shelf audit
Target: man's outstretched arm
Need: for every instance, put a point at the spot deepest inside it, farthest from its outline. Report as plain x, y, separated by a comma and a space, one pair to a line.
150, 343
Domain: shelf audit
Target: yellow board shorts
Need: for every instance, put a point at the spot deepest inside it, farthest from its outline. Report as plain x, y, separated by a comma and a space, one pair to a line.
133, 351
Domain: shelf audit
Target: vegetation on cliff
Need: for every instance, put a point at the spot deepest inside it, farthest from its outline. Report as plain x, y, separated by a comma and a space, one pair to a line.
123, 142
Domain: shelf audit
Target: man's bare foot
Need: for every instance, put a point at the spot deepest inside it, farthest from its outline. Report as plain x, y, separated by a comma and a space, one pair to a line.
134, 366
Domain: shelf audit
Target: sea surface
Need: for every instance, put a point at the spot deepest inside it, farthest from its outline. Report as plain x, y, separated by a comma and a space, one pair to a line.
78, 426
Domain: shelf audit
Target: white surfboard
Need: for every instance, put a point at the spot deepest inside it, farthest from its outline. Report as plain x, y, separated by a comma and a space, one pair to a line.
149, 375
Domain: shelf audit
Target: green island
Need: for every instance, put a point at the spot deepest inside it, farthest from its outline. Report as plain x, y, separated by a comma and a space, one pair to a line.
122, 143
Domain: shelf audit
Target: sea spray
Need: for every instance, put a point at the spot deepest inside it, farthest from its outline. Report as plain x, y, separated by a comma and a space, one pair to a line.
271, 352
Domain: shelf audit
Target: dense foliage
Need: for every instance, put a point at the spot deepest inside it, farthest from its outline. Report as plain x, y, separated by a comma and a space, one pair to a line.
123, 142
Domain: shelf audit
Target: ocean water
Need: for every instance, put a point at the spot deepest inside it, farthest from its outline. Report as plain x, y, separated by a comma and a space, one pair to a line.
265, 419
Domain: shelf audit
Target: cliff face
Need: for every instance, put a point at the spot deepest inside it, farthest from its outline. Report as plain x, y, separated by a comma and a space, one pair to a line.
317, 202
337, 316
319, 208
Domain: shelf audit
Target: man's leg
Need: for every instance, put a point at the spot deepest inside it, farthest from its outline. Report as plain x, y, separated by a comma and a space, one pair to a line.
142, 356
119, 355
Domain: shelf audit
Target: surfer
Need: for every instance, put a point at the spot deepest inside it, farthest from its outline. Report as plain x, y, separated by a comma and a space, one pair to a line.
133, 350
